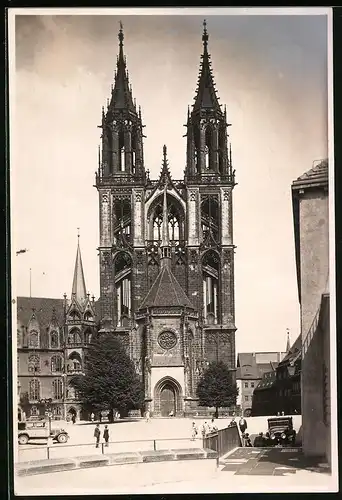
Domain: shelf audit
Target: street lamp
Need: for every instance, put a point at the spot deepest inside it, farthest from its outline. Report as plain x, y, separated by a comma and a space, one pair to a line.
47, 410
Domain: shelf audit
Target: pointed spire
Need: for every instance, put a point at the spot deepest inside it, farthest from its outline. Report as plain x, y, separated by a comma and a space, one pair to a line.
288, 344
78, 284
121, 94
206, 94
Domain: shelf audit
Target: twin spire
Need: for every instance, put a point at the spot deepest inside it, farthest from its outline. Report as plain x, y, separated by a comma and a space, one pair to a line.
206, 97
122, 98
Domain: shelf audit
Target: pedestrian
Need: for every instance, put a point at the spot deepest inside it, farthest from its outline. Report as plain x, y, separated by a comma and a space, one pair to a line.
247, 440
194, 431
106, 435
213, 426
232, 422
283, 413
147, 416
259, 441
204, 429
242, 425
171, 413
73, 418
268, 440
97, 434
92, 417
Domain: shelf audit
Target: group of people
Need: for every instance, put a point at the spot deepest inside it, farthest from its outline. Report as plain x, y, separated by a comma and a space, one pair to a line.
206, 428
97, 435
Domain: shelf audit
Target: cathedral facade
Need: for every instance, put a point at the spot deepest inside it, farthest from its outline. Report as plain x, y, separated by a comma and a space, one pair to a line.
166, 246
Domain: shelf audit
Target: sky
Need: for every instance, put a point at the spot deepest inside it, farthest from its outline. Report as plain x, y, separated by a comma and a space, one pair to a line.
270, 71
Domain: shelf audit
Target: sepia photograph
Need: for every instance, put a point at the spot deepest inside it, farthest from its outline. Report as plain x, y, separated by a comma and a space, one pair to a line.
172, 246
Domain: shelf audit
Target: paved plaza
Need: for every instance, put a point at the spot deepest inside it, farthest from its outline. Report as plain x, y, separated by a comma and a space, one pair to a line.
242, 471
125, 436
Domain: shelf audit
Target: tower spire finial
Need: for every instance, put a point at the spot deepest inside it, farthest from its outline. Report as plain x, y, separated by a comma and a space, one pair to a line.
205, 36
78, 234
121, 35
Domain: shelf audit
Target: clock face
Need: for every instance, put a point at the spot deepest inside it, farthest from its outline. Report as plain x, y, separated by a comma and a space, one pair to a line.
167, 340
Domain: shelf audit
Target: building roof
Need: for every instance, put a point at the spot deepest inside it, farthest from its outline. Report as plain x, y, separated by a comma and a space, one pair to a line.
268, 380
294, 351
248, 367
43, 309
316, 176
166, 292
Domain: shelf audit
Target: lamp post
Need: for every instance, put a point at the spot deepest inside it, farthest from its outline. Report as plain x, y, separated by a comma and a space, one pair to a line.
47, 410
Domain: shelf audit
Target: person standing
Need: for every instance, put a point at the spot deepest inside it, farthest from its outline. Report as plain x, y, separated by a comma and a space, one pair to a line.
194, 431
97, 434
106, 435
242, 425
73, 418
147, 416
92, 417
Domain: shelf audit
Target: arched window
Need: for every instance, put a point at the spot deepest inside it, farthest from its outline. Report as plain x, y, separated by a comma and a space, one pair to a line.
54, 341
210, 216
74, 363
74, 315
72, 392
210, 266
175, 220
33, 339
122, 270
74, 337
34, 412
87, 336
208, 148
57, 389
34, 389
34, 363
88, 316
206, 158
56, 363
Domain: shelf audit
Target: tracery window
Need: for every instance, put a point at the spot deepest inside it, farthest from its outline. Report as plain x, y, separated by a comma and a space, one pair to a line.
88, 316
175, 220
54, 340
87, 336
122, 269
34, 363
210, 216
56, 363
74, 337
33, 339
75, 362
34, 389
210, 266
57, 389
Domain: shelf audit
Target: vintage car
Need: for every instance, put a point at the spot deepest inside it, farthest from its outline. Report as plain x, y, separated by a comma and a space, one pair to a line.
281, 431
40, 430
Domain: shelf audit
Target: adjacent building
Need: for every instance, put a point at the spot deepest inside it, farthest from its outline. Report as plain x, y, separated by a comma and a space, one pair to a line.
251, 366
279, 389
310, 198
52, 337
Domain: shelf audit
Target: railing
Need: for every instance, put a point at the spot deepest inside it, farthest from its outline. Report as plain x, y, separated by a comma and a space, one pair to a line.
48, 452
223, 440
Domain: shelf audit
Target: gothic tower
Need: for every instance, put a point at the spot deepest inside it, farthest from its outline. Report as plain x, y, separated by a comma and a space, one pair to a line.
210, 180
166, 246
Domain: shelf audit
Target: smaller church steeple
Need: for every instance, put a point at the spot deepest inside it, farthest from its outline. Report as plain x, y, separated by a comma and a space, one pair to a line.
165, 243
288, 344
78, 285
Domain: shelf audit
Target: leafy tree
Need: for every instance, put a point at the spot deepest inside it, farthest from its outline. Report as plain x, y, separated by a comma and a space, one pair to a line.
110, 380
216, 387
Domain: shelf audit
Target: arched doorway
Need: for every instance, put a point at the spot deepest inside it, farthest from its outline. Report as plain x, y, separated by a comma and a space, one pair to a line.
167, 397
167, 400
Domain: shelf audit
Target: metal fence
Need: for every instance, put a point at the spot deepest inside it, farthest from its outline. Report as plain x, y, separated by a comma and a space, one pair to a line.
223, 440
73, 450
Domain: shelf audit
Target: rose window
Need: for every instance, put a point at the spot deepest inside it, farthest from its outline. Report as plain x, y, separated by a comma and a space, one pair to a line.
167, 340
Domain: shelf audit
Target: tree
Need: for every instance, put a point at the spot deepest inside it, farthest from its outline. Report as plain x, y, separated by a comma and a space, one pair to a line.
110, 380
216, 387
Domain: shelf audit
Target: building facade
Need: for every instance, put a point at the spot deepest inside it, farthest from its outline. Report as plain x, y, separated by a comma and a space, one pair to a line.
251, 367
310, 196
52, 338
166, 246
279, 389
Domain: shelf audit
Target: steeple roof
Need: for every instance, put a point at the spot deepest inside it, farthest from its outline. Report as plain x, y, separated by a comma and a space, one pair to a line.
288, 344
78, 284
122, 93
166, 292
206, 97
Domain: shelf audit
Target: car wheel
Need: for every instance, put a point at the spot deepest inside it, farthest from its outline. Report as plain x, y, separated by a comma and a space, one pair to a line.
23, 439
62, 438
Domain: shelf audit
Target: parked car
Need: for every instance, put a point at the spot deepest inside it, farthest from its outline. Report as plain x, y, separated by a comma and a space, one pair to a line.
281, 431
40, 430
